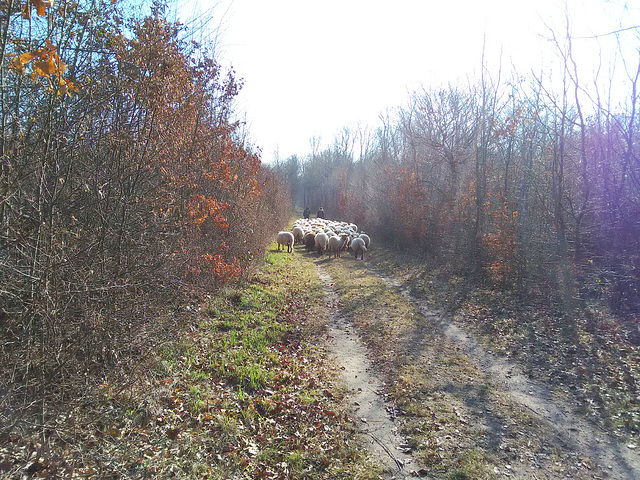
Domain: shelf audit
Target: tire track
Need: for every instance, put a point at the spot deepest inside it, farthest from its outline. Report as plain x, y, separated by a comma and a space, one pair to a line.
375, 417
572, 431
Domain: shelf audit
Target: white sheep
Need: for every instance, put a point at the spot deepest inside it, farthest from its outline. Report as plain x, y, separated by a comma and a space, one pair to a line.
337, 244
298, 234
322, 241
358, 246
285, 239
366, 239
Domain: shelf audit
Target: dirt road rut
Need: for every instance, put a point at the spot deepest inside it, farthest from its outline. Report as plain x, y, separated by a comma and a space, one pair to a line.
573, 432
513, 428
375, 415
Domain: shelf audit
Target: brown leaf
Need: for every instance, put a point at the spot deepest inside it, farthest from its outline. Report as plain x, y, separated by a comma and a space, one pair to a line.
46, 67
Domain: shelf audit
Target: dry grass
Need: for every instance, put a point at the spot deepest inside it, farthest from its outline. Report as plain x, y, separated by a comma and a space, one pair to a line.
590, 356
245, 391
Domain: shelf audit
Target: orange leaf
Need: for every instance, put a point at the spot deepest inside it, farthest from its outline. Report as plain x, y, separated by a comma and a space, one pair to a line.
66, 87
41, 6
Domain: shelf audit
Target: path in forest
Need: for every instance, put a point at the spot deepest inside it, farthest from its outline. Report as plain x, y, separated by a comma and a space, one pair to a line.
572, 430
376, 418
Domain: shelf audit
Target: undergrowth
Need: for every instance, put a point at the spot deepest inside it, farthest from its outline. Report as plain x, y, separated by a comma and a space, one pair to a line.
243, 392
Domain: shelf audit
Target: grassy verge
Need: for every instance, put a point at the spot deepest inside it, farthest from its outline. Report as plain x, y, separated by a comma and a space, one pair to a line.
243, 392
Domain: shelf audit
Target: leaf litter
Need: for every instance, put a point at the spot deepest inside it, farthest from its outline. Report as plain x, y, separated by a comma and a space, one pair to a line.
242, 392
247, 391
467, 411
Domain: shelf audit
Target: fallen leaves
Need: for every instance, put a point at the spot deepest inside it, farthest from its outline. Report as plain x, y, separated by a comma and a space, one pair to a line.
193, 411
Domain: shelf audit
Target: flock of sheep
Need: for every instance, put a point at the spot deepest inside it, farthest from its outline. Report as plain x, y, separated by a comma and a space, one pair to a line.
325, 236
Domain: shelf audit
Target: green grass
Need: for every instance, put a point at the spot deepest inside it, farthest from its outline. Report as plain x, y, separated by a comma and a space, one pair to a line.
242, 392
248, 388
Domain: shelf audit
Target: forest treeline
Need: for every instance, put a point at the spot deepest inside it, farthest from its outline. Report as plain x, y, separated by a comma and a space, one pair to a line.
126, 187
509, 181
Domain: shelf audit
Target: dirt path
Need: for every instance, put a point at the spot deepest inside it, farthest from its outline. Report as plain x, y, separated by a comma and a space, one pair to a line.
376, 418
515, 426
573, 431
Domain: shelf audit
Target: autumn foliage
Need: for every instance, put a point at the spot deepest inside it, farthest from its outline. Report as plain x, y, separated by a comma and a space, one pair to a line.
524, 188
126, 188
499, 241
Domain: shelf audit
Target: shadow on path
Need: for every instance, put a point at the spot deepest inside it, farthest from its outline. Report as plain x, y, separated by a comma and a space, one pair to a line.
571, 430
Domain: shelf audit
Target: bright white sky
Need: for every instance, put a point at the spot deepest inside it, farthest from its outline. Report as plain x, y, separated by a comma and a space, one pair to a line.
311, 68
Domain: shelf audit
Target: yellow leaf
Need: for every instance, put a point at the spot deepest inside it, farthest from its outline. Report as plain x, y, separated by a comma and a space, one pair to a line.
26, 57
66, 87
20, 61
